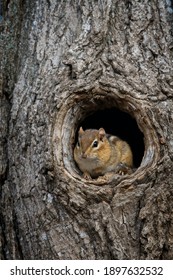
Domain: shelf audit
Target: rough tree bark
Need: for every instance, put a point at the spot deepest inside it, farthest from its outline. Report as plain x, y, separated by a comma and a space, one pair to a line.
61, 61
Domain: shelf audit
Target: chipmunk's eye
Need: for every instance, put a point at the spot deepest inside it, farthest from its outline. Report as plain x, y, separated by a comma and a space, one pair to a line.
95, 144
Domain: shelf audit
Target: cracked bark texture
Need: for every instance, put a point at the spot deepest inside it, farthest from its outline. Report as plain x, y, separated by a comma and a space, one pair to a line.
62, 60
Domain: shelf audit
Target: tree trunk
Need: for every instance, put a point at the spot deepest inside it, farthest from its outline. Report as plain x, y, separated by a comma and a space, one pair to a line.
63, 62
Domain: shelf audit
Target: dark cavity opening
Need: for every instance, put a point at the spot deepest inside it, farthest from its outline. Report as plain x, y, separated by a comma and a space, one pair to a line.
121, 124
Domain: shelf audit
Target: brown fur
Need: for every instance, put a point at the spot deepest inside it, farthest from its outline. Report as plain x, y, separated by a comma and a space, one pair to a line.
96, 161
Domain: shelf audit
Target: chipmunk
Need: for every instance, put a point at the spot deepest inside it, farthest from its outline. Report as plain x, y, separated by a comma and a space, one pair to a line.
97, 153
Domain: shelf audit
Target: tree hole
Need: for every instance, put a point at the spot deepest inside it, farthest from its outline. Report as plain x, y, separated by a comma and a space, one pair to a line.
119, 116
121, 124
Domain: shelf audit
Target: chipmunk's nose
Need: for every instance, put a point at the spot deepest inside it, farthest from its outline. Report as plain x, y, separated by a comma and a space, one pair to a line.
84, 155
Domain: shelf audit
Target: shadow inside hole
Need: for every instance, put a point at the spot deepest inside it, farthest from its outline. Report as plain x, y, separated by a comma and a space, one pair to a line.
121, 124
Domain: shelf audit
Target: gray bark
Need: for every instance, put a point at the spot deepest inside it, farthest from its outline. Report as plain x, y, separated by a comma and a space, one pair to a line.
61, 61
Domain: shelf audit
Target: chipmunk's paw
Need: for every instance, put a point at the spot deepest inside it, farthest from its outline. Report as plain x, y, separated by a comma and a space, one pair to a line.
86, 176
123, 169
106, 177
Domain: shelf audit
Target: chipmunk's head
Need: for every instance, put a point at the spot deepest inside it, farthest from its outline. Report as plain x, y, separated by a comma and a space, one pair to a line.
92, 151
90, 143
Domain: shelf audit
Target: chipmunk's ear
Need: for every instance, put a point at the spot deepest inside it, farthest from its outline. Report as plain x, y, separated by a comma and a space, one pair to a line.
102, 133
81, 131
